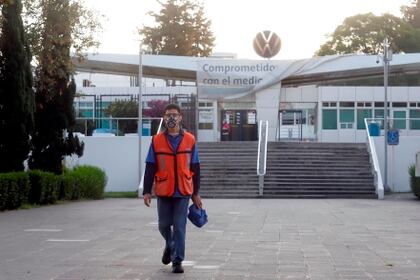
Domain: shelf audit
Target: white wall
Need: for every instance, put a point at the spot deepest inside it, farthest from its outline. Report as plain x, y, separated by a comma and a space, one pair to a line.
399, 158
361, 94
117, 156
267, 104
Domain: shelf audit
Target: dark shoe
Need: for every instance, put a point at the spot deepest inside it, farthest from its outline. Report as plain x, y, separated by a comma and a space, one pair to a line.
166, 258
177, 268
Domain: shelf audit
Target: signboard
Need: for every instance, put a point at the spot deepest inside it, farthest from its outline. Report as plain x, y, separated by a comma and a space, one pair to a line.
393, 137
205, 116
219, 78
251, 118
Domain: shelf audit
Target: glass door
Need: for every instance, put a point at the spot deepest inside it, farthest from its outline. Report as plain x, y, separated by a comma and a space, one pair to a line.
290, 122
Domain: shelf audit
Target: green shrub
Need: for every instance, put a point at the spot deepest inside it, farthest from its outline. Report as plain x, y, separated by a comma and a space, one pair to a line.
90, 180
14, 189
414, 181
70, 189
45, 187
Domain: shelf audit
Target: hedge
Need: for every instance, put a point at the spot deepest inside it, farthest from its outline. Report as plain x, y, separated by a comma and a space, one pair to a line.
14, 190
39, 187
414, 181
90, 181
45, 187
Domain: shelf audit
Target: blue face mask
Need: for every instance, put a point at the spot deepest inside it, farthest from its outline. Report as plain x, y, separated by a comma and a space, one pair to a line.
171, 122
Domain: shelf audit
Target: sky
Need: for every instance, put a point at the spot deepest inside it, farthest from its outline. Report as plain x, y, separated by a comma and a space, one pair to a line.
301, 24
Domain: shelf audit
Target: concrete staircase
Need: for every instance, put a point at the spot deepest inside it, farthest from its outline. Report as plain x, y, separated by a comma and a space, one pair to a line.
228, 169
294, 170
318, 170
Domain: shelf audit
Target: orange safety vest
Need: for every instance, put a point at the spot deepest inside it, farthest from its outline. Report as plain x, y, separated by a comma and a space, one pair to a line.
173, 167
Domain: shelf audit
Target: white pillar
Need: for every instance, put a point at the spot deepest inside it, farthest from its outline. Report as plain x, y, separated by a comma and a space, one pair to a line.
267, 103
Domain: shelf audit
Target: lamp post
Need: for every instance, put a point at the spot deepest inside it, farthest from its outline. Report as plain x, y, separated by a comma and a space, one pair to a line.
140, 115
386, 60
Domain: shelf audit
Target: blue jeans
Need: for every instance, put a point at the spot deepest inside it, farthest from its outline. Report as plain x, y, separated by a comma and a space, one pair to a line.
173, 212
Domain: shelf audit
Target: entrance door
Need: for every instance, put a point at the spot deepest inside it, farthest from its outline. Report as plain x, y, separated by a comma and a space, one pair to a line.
290, 125
239, 125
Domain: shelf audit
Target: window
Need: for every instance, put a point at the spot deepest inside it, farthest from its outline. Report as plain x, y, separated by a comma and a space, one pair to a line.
364, 104
379, 114
347, 104
134, 81
329, 104
85, 113
329, 119
346, 118
415, 124
399, 124
399, 104
361, 115
205, 118
86, 83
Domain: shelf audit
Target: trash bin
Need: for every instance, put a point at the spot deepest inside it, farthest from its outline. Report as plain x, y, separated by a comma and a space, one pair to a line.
374, 129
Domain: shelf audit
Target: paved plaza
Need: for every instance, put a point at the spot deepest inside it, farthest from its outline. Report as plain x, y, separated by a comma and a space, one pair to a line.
244, 239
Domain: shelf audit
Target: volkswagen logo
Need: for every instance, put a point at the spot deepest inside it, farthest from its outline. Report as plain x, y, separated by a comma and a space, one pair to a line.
267, 44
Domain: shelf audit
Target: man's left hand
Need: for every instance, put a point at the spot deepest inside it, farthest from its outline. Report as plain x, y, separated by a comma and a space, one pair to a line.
197, 200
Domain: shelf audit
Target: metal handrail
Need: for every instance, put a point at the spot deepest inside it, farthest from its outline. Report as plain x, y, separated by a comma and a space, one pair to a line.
262, 154
372, 150
379, 186
160, 125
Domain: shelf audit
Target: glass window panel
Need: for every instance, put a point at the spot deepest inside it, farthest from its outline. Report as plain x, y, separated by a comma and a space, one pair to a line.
399, 104
361, 115
329, 119
346, 116
399, 124
347, 104
415, 124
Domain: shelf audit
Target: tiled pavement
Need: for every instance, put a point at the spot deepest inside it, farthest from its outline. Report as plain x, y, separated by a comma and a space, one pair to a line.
244, 239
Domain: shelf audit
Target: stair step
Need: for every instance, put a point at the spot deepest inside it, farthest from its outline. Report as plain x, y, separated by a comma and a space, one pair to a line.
294, 170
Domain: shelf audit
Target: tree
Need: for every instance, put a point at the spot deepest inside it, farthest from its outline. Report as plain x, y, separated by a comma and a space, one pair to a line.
364, 33
124, 109
53, 138
84, 25
411, 14
155, 108
181, 29
16, 94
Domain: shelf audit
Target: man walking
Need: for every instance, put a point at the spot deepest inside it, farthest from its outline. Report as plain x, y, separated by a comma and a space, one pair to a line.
172, 164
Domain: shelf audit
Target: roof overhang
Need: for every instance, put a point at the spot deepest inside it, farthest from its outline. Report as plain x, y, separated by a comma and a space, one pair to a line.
347, 75
336, 68
125, 69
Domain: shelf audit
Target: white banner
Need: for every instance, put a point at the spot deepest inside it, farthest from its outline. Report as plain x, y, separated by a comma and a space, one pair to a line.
216, 78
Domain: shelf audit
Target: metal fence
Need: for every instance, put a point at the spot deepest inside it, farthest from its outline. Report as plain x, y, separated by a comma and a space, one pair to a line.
116, 126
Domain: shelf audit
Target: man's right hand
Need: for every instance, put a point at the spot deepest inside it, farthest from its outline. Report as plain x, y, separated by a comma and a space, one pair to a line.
147, 199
